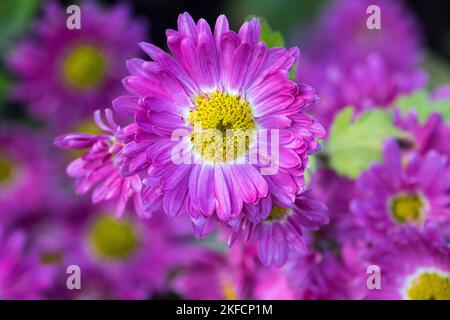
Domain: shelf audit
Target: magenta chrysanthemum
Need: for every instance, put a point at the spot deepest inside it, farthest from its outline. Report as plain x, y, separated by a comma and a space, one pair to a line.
236, 274
335, 192
128, 258
96, 169
64, 74
434, 134
216, 82
358, 66
319, 275
134, 256
208, 274
25, 169
355, 40
21, 276
364, 85
402, 191
414, 265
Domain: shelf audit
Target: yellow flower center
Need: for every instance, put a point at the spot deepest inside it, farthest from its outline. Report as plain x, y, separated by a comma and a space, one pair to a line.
112, 238
87, 126
223, 126
6, 169
228, 290
429, 286
277, 213
84, 67
51, 257
407, 208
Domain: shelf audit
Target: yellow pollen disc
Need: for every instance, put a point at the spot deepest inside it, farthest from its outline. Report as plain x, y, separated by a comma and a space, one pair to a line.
87, 126
52, 257
6, 169
223, 126
84, 67
112, 238
429, 286
277, 213
407, 208
228, 290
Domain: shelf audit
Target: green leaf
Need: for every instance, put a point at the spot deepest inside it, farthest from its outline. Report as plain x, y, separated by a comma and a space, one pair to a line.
293, 72
353, 145
15, 15
5, 81
287, 15
212, 242
424, 107
312, 166
271, 38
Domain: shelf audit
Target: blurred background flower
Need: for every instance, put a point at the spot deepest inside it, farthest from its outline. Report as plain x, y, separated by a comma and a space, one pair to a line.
383, 170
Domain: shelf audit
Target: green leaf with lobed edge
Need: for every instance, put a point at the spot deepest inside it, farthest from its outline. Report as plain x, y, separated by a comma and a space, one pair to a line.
353, 145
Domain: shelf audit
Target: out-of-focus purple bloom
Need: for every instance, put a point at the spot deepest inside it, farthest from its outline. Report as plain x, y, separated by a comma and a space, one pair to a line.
402, 191
328, 272
434, 134
207, 276
335, 192
363, 85
236, 274
278, 230
398, 40
272, 283
126, 258
21, 275
319, 275
97, 168
431, 135
64, 74
358, 66
414, 265
250, 83
27, 174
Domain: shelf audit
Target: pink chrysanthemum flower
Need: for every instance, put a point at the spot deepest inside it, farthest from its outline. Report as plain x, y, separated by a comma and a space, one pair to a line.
335, 192
319, 276
128, 258
214, 83
25, 169
359, 66
414, 265
235, 274
327, 272
97, 169
355, 40
208, 274
64, 74
402, 191
366, 84
21, 275
434, 134
278, 230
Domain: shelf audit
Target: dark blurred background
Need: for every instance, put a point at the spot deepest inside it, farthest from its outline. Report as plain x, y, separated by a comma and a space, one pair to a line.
291, 17
284, 15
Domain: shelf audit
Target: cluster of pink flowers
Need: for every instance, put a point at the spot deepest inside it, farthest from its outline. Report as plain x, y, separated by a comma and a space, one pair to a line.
269, 222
